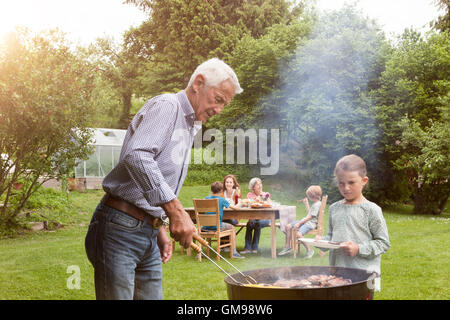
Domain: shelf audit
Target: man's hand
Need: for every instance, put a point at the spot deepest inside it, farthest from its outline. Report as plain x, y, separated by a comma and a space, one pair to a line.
165, 245
181, 226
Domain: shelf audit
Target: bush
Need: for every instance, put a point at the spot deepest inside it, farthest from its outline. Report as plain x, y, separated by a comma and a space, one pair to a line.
200, 175
47, 198
45, 204
45, 107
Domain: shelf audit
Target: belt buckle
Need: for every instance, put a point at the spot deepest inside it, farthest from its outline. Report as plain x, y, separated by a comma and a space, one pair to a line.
157, 223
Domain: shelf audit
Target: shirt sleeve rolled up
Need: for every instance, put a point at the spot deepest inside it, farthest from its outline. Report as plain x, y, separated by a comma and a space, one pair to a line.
152, 131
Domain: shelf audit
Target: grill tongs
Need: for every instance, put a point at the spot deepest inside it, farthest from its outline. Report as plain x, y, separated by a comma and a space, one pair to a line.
197, 249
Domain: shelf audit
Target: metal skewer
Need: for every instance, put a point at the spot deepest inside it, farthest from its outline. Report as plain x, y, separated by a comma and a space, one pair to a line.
206, 256
197, 249
248, 278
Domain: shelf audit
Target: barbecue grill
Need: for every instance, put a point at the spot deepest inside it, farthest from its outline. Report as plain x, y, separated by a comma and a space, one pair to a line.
361, 287
258, 284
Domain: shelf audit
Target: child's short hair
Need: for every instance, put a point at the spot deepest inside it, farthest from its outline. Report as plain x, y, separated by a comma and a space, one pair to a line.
351, 163
314, 192
216, 187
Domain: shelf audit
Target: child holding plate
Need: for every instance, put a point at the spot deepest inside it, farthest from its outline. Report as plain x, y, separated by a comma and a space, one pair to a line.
357, 223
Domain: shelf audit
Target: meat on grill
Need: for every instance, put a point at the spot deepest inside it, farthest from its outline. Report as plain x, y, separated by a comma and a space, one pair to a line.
314, 281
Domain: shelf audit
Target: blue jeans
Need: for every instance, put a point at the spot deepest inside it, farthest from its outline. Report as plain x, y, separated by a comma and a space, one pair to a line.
253, 232
125, 256
231, 221
303, 229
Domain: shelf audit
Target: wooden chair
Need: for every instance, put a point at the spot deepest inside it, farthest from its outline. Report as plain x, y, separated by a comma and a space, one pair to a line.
188, 250
318, 231
203, 209
241, 225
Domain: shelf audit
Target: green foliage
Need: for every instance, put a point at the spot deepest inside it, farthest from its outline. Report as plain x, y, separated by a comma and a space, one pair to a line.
50, 199
331, 83
426, 153
108, 105
179, 35
323, 104
442, 23
258, 64
413, 113
45, 92
205, 174
119, 66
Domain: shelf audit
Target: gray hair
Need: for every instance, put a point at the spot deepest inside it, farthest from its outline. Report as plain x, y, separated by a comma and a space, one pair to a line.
216, 71
252, 182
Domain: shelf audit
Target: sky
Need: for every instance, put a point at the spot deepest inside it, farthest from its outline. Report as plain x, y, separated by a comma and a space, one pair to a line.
393, 15
85, 20
82, 20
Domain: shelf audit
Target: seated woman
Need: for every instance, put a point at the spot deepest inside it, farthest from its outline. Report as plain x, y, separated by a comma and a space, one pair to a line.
231, 189
254, 226
232, 193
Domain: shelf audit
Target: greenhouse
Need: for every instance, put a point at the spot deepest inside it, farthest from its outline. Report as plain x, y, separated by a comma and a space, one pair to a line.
107, 143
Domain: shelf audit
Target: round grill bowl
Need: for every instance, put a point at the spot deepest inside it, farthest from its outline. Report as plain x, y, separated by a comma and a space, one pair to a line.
361, 287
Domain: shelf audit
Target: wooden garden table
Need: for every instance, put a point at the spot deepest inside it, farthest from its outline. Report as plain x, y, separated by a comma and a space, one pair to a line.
287, 214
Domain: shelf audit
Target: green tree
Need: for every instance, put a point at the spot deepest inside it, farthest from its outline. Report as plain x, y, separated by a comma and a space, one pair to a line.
181, 34
413, 108
325, 100
45, 92
120, 67
107, 102
426, 154
259, 63
442, 23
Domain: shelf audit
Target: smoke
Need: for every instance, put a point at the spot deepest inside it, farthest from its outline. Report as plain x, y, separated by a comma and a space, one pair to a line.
326, 96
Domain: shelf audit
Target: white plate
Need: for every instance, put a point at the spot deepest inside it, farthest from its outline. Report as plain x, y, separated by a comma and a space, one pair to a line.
321, 243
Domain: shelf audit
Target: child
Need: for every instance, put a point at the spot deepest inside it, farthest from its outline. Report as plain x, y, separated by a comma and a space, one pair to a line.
314, 194
356, 222
216, 190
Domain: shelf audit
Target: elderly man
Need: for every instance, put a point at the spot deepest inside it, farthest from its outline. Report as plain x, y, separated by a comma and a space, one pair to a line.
125, 243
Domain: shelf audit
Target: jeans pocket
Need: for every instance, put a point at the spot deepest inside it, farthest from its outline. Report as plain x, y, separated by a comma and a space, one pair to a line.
123, 222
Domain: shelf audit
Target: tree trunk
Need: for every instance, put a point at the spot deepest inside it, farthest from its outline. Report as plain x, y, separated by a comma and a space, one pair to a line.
126, 107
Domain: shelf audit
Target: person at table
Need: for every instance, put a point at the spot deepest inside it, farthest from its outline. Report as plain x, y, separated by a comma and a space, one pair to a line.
125, 242
216, 192
231, 189
254, 226
232, 193
303, 226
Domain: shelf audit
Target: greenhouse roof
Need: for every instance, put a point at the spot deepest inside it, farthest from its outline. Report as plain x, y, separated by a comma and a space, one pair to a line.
108, 137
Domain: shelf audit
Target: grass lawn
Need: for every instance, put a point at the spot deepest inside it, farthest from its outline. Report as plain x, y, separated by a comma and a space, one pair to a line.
35, 266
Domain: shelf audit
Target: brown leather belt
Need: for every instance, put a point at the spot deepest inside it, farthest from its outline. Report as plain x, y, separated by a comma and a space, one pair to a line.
131, 210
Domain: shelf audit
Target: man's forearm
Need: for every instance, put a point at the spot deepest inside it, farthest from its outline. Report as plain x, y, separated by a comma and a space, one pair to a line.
181, 226
173, 207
